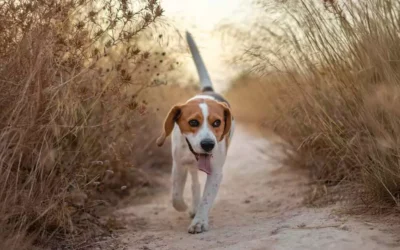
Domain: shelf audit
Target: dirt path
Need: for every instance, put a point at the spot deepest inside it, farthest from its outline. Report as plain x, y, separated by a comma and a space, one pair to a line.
259, 206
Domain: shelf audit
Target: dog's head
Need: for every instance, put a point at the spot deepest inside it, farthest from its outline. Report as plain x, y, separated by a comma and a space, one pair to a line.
204, 122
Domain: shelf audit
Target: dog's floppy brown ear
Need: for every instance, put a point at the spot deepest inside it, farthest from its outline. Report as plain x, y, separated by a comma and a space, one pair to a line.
169, 122
227, 118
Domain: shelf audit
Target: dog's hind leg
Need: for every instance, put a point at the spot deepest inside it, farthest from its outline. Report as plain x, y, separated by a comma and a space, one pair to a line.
179, 170
179, 175
196, 192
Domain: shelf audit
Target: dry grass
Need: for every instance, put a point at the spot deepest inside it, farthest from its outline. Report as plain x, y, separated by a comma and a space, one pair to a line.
71, 78
248, 95
335, 95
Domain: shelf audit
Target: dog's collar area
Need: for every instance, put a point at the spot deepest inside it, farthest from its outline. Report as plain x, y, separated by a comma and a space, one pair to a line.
196, 155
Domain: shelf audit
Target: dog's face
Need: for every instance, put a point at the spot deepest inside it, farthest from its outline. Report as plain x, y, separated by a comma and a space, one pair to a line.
204, 122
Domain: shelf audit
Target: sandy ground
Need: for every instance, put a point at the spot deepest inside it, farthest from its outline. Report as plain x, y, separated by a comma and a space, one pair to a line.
259, 206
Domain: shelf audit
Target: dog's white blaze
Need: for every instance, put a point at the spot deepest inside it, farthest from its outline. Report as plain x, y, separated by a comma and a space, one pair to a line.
203, 133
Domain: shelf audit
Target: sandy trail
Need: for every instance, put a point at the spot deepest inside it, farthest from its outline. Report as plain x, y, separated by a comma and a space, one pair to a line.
259, 206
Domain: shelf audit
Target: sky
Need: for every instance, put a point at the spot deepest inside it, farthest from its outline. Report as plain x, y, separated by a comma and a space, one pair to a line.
201, 18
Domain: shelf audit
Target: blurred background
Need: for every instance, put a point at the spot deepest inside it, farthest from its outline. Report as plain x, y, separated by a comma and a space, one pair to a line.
204, 19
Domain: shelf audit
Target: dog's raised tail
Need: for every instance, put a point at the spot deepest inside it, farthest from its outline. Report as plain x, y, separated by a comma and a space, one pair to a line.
205, 80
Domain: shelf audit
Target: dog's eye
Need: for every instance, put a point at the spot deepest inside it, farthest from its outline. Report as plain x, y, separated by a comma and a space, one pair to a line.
194, 123
216, 124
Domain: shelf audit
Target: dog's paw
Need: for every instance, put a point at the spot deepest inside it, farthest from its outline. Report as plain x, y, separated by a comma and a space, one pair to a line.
198, 225
179, 205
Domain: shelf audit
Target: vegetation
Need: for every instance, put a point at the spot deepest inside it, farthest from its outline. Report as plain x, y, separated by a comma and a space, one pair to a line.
71, 72
332, 81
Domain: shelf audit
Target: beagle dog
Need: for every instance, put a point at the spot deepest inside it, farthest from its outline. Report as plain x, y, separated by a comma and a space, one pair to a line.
201, 130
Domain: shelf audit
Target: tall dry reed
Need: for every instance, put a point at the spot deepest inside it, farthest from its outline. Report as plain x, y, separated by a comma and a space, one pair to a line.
71, 73
334, 71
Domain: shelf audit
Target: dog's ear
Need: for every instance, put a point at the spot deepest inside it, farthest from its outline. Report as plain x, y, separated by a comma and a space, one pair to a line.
172, 117
227, 119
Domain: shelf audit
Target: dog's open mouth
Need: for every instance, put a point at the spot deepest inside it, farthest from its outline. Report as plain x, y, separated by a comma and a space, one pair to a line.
203, 160
204, 163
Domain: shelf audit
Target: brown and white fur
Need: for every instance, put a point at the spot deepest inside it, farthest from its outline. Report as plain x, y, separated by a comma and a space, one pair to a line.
201, 131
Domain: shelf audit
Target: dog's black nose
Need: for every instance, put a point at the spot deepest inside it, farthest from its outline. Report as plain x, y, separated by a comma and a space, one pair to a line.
207, 145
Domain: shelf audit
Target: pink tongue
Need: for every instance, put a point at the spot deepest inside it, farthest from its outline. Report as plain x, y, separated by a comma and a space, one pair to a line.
205, 163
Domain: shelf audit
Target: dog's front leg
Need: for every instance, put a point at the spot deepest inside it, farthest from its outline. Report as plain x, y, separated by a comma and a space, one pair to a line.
200, 221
